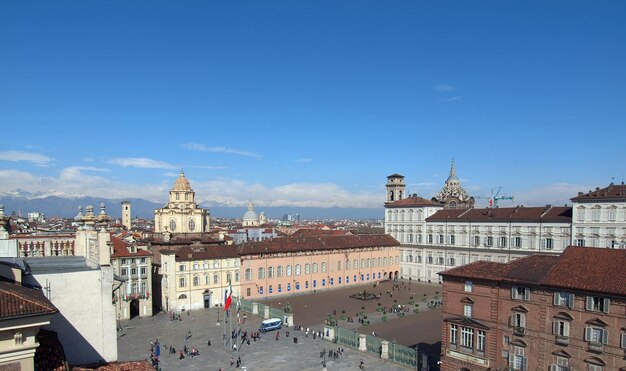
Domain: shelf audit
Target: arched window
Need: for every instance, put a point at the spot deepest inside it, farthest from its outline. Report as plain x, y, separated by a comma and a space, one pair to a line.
177, 196
339, 265
186, 196
182, 296
368, 262
279, 271
362, 263
288, 270
196, 281
270, 272
172, 225
347, 265
248, 274
323, 267
192, 225
355, 264
380, 262
307, 268
229, 277
261, 273
298, 269
314, 267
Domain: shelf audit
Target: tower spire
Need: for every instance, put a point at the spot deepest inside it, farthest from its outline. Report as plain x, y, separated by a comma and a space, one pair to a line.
452, 169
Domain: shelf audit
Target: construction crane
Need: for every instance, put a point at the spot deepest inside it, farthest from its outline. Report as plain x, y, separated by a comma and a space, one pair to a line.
495, 197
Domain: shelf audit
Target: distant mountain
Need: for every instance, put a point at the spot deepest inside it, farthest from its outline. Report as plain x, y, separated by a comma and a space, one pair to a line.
67, 206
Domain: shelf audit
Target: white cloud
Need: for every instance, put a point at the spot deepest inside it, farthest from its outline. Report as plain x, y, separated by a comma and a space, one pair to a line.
142, 162
35, 158
220, 149
72, 182
443, 88
89, 168
236, 193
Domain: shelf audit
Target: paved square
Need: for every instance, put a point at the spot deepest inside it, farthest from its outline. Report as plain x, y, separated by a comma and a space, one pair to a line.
265, 354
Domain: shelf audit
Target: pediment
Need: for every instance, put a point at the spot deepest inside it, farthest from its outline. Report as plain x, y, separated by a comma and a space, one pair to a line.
519, 343
564, 316
595, 361
561, 353
597, 322
468, 322
467, 300
520, 308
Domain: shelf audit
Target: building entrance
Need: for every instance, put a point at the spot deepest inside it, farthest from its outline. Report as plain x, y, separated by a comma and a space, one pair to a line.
134, 308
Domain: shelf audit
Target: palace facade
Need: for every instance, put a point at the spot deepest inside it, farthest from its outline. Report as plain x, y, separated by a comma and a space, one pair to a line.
541, 312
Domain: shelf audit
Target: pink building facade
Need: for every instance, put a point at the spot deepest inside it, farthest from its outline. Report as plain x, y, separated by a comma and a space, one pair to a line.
293, 265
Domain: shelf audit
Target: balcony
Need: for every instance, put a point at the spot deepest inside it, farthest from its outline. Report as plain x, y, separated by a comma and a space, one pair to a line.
561, 340
518, 330
596, 347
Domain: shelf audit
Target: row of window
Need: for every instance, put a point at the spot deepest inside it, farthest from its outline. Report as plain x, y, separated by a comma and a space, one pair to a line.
134, 261
182, 281
596, 214
564, 298
323, 282
216, 264
133, 271
133, 288
313, 268
402, 215
191, 225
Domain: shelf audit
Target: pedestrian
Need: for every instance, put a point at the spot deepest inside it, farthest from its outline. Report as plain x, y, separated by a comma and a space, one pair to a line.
208, 342
232, 361
181, 356
238, 361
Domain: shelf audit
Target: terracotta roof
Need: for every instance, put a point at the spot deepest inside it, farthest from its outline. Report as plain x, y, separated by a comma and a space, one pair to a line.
17, 301
49, 354
612, 192
119, 366
312, 243
120, 249
201, 252
590, 269
411, 201
520, 214
528, 270
320, 232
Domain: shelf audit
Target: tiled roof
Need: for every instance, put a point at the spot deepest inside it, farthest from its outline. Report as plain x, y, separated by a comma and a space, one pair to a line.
312, 243
520, 214
410, 201
120, 249
612, 192
320, 232
17, 301
589, 269
49, 355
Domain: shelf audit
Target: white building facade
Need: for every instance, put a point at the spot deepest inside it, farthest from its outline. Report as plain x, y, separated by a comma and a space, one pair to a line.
599, 217
181, 214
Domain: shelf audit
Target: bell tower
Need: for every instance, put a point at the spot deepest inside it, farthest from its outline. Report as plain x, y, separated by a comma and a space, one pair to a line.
126, 215
395, 188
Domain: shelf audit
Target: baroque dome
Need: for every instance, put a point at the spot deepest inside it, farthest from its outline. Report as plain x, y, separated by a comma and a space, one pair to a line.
181, 184
250, 215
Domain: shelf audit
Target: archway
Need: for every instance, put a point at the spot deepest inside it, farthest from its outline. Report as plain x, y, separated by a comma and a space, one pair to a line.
134, 308
395, 275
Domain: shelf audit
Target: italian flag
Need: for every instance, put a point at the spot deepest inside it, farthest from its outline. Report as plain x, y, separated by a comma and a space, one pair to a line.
228, 296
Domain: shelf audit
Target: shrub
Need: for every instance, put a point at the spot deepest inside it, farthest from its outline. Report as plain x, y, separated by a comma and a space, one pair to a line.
384, 318
400, 314
411, 302
344, 317
416, 310
364, 317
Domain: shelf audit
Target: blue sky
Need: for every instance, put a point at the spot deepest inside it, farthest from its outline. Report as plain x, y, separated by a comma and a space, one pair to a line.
311, 103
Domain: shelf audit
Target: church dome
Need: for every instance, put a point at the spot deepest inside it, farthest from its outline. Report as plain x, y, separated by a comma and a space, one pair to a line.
251, 215
181, 184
